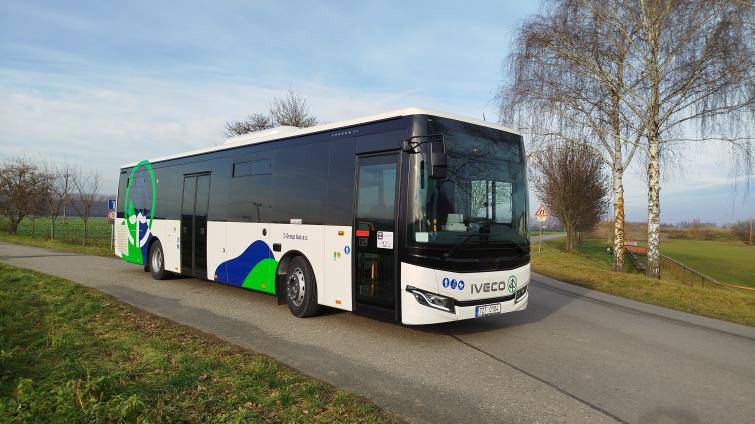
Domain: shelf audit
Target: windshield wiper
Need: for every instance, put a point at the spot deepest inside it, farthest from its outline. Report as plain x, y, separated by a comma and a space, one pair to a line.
519, 246
453, 249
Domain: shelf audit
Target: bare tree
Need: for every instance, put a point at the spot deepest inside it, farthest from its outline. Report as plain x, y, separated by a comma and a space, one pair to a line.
682, 62
567, 71
23, 190
252, 123
291, 110
87, 191
570, 181
742, 230
62, 177
698, 61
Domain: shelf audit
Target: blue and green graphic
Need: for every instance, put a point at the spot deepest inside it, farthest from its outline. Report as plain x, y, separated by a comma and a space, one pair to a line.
139, 211
253, 269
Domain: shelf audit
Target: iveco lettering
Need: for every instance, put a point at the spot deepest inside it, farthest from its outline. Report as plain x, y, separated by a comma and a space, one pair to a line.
414, 216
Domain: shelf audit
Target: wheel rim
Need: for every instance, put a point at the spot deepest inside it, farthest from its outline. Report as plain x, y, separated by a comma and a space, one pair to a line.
157, 260
295, 287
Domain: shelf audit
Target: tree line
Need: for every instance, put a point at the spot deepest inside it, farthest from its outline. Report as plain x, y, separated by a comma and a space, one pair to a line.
631, 79
29, 188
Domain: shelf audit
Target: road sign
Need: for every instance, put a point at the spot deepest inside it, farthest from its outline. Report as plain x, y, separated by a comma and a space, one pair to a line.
111, 204
541, 214
111, 215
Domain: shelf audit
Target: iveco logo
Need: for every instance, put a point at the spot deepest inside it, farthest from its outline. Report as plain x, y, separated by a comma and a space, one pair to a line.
488, 287
497, 286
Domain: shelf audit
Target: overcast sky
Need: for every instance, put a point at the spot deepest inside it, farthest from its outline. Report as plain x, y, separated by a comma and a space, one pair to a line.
107, 83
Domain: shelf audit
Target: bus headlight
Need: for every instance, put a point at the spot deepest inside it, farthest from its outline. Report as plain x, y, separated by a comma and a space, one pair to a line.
432, 300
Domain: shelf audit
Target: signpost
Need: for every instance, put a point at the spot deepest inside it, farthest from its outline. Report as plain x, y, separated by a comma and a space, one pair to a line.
111, 214
541, 214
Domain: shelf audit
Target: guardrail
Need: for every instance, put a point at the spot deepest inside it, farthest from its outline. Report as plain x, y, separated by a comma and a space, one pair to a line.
688, 275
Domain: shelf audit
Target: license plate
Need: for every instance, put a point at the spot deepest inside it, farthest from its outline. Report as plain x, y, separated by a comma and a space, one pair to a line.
482, 310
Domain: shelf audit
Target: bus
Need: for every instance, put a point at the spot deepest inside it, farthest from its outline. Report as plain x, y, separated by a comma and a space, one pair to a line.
413, 216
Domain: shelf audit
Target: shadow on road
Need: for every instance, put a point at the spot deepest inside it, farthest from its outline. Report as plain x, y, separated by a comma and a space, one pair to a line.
542, 304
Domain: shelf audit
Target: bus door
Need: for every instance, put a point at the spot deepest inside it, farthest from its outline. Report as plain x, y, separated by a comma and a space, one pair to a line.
194, 206
375, 288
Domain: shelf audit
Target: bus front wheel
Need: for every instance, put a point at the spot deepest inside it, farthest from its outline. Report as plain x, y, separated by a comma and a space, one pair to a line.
301, 288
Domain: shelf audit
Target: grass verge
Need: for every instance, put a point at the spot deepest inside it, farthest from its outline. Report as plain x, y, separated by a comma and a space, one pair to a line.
93, 249
71, 354
583, 269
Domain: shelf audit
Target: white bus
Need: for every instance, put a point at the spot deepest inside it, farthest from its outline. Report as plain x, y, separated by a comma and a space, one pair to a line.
414, 216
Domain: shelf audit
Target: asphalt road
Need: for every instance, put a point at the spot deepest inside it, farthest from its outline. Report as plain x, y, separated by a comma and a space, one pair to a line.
573, 356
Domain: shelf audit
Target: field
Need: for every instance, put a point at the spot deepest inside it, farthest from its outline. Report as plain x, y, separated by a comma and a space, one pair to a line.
69, 230
590, 267
545, 233
72, 354
68, 235
730, 262
639, 231
726, 261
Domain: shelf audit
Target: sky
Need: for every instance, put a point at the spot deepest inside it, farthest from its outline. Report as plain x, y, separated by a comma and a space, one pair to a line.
101, 84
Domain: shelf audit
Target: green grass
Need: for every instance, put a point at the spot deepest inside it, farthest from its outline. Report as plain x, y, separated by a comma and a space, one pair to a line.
597, 250
68, 235
585, 268
728, 262
545, 233
71, 354
97, 249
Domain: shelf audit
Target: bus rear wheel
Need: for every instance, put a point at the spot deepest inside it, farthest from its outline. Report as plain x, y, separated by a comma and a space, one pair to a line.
157, 261
301, 288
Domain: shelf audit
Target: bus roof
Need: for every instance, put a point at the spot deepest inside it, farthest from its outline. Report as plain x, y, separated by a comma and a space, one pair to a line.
287, 132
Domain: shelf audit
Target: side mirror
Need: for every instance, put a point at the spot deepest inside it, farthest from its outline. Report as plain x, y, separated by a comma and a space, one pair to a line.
438, 166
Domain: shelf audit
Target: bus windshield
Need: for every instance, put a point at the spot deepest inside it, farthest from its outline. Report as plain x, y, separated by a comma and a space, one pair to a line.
480, 208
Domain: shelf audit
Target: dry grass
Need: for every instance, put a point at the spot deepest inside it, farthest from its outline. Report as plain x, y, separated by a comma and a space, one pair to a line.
587, 271
639, 231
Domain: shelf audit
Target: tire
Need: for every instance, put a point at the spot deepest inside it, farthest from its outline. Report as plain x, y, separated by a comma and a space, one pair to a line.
157, 261
301, 288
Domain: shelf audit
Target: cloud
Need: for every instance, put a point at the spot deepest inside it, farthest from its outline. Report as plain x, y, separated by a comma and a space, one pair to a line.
105, 126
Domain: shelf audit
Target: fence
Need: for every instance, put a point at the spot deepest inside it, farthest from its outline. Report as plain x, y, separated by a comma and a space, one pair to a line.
689, 276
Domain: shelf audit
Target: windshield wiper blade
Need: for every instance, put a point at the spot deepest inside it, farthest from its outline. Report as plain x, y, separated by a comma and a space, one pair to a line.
519, 246
453, 249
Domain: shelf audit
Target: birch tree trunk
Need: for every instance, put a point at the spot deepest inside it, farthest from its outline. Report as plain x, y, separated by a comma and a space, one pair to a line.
652, 26
654, 206
618, 217
617, 169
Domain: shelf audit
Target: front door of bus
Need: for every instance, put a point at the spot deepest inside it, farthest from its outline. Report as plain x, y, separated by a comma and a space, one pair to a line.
195, 202
374, 229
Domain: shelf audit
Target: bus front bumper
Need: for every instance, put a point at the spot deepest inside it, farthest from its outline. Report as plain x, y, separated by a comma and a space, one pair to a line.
414, 312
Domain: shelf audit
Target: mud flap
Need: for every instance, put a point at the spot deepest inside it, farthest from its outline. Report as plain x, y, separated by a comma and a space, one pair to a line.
280, 291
